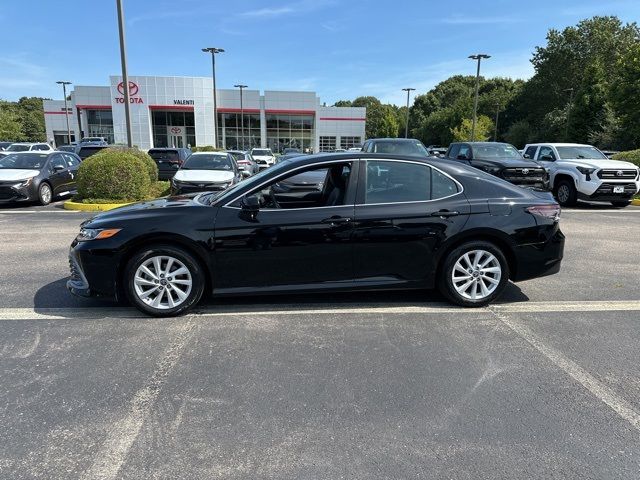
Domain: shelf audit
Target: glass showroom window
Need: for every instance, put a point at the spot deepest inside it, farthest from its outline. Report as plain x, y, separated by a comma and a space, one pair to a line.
290, 131
327, 144
350, 142
230, 134
100, 124
161, 120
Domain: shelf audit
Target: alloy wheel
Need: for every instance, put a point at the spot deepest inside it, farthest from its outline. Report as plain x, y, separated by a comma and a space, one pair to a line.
162, 282
45, 193
476, 274
563, 193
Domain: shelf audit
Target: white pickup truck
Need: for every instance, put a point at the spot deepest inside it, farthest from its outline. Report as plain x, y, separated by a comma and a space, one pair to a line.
583, 172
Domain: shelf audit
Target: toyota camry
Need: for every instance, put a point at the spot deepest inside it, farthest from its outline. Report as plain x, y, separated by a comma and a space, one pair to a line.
378, 222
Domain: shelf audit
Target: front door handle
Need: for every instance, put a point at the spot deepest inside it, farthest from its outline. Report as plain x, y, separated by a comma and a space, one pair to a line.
444, 213
336, 219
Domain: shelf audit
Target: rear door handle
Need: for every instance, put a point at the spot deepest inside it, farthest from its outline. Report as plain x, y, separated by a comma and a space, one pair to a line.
445, 213
337, 219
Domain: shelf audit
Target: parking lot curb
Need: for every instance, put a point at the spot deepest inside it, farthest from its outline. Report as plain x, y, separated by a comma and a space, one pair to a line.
635, 201
92, 207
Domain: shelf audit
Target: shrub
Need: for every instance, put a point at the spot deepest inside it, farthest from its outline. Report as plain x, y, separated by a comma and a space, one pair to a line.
150, 164
115, 175
206, 148
632, 156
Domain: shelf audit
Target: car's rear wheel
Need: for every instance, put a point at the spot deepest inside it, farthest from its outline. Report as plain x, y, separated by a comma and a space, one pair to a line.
622, 204
45, 194
566, 193
474, 274
164, 281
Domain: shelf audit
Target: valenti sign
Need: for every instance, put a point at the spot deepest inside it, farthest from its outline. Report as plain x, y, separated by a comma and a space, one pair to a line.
133, 93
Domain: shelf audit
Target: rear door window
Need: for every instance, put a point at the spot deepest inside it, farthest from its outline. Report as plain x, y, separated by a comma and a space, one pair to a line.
393, 182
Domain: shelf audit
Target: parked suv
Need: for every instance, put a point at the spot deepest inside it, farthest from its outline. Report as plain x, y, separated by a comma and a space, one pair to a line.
396, 146
583, 172
85, 151
168, 160
264, 157
502, 160
29, 147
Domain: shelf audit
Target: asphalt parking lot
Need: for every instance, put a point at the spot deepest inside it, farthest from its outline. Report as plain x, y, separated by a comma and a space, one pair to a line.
543, 384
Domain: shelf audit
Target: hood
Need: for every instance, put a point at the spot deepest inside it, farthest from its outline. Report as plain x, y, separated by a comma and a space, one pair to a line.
206, 176
16, 174
150, 207
511, 162
608, 164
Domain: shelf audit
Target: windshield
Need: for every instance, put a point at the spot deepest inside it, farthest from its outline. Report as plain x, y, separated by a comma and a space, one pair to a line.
414, 148
499, 150
208, 162
588, 152
261, 152
24, 161
164, 154
17, 148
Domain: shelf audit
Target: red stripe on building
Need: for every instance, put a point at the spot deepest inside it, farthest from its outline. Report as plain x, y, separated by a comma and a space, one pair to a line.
93, 107
293, 112
184, 108
353, 119
237, 110
57, 113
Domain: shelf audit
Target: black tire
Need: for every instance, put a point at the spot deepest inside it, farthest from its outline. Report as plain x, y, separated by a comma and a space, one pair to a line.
445, 281
45, 194
198, 279
566, 193
621, 204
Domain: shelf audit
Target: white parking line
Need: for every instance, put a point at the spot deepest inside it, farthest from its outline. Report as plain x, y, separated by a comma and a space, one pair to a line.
9, 314
618, 404
123, 433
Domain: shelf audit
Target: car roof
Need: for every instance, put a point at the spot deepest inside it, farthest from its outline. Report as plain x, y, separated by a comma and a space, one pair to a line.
168, 148
560, 144
484, 143
29, 143
393, 140
209, 153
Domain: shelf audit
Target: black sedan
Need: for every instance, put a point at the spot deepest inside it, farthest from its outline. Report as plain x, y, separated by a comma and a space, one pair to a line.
37, 176
379, 222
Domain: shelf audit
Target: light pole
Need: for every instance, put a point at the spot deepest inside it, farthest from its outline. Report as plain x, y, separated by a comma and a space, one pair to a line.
406, 127
495, 132
566, 123
125, 77
241, 87
213, 51
479, 58
66, 110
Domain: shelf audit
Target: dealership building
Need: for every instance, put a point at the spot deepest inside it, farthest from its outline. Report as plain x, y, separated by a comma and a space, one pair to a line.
178, 112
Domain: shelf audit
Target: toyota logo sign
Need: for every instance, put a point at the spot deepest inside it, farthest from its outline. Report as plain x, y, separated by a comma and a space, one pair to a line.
619, 173
525, 171
176, 130
133, 88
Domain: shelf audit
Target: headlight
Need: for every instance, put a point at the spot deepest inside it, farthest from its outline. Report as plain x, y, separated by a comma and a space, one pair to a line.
23, 183
585, 171
87, 234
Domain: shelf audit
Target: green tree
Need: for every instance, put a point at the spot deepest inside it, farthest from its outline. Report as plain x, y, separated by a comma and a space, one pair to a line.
10, 126
343, 103
624, 95
484, 129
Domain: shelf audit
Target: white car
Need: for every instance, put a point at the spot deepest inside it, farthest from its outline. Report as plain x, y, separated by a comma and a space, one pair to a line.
29, 147
582, 172
264, 157
206, 172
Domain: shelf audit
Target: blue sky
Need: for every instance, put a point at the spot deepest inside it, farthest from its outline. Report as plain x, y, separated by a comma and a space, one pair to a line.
338, 48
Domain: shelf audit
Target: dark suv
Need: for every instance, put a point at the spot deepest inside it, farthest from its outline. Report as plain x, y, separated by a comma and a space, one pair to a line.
502, 160
396, 146
85, 151
169, 160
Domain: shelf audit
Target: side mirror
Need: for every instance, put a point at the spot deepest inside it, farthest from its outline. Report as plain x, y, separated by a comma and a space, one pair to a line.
57, 168
547, 158
251, 204
462, 156
245, 173
526, 155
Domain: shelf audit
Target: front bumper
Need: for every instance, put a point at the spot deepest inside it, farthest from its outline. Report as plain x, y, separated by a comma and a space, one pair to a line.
93, 273
9, 193
186, 188
605, 192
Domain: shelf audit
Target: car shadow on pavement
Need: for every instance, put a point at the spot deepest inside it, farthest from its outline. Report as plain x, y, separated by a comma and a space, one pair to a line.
55, 297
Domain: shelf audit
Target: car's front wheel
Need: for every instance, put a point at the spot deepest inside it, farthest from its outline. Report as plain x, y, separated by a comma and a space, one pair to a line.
474, 274
45, 194
566, 193
164, 281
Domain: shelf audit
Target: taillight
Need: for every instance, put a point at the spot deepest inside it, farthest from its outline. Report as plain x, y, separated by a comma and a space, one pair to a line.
244, 162
551, 211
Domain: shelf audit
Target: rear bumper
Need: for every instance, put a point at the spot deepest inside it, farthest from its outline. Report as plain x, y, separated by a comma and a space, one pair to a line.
539, 259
